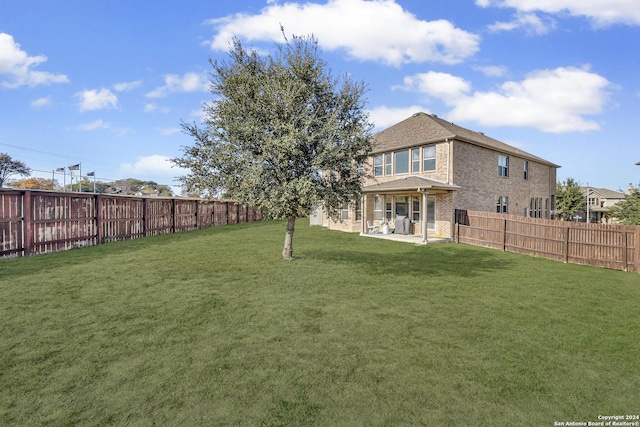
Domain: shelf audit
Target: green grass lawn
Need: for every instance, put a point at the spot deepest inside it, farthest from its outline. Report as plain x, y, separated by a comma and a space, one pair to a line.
212, 328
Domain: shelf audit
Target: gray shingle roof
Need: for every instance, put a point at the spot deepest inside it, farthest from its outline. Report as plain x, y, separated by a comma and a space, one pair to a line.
424, 128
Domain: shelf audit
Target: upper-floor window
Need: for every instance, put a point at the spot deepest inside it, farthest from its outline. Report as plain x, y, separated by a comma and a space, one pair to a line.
415, 160
526, 169
402, 161
387, 164
377, 165
503, 165
429, 158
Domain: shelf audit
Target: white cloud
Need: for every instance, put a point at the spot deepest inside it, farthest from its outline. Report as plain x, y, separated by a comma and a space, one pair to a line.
440, 85
601, 12
492, 70
155, 167
18, 65
200, 115
102, 125
528, 22
41, 102
151, 107
97, 99
554, 101
127, 86
383, 31
169, 131
384, 116
94, 125
189, 82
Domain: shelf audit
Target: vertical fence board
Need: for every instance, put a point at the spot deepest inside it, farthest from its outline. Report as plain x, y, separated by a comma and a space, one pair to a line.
11, 224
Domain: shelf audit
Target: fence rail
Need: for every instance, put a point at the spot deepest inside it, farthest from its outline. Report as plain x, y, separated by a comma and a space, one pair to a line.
601, 245
34, 222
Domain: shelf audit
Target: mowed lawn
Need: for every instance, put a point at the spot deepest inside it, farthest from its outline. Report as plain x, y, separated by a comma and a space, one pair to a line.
211, 328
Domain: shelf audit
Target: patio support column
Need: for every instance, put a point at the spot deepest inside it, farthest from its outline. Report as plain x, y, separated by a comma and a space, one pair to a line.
425, 193
363, 207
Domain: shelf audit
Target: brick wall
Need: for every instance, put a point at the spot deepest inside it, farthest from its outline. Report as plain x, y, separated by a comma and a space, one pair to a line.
475, 170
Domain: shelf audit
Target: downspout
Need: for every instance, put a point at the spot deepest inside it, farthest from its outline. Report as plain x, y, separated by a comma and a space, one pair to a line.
449, 161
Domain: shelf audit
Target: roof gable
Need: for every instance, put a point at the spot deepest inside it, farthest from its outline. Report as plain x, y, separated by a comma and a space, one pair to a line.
424, 128
603, 192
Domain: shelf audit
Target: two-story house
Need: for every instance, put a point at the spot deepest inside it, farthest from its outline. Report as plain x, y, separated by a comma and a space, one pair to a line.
424, 168
599, 201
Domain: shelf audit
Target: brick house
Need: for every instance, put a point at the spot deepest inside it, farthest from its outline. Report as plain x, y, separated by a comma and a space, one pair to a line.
426, 167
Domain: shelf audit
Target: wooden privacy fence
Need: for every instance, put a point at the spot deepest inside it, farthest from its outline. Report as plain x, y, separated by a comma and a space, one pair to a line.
601, 245
34, 222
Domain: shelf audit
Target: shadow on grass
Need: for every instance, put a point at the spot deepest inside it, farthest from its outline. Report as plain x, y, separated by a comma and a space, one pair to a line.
434, 260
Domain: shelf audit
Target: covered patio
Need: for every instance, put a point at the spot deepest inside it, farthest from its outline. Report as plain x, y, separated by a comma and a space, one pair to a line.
414, 206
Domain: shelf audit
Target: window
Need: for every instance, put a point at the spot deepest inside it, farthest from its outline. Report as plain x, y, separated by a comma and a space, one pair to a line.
502, 204
429, 158
402, 206
402, 161
359, 210
503, 165
377, 209
387, 164
546, 208
345, 211
415, 216
526, 169
388, 212
535, 207
431, 212
377, 165
415, 160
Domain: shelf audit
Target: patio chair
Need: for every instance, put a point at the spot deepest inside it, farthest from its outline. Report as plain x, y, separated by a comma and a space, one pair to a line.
371, 227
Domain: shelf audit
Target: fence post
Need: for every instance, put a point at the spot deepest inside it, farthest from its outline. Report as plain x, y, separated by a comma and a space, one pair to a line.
98, 219
173, 215
197, 217
625, 248
144, 217
27, 226
566, 245
636, 250
504, 235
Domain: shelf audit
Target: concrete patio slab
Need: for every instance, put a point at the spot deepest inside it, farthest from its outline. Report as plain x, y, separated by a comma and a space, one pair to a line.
407, 238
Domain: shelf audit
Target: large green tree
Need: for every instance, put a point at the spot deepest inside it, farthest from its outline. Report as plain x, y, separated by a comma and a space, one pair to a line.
569, 199
627, 211
9, 167
282, 134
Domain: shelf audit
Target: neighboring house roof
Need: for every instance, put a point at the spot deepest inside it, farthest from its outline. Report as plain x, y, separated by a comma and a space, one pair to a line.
424, 128
604, 193
411, 182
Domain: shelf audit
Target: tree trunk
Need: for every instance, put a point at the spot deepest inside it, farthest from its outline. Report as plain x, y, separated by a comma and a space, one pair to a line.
287, 252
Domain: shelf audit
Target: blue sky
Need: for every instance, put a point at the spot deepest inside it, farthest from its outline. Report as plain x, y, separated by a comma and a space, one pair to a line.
107, 83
